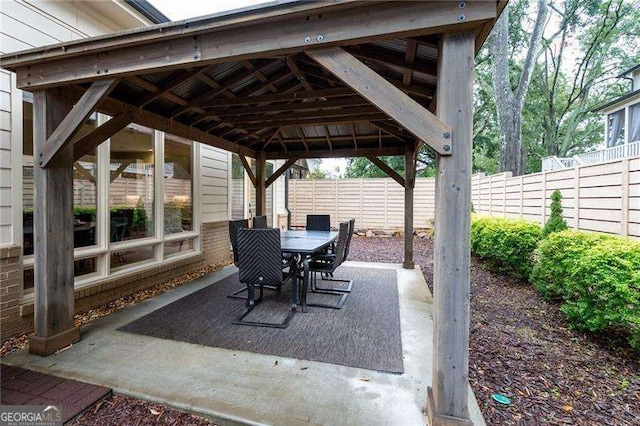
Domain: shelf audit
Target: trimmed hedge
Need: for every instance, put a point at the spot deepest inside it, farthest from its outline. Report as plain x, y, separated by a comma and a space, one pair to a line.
556, 257
505, 245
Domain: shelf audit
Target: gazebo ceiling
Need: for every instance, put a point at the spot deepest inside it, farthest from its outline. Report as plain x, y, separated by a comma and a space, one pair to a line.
269, 95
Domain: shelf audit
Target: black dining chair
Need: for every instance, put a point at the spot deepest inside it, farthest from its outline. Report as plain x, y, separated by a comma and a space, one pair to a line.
318, 222
326, 264
234, 226
329, 276
260, 222
260, 264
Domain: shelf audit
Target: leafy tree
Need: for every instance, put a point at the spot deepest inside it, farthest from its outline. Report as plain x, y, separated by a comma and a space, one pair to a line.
555, 222
363, 168
317, 173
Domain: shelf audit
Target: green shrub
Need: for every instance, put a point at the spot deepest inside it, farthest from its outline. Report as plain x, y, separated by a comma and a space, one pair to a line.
77, 211
604, 289
556, 257
506, 245
556, 222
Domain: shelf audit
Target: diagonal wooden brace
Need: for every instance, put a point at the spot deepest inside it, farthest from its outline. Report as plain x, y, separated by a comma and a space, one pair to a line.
385, 96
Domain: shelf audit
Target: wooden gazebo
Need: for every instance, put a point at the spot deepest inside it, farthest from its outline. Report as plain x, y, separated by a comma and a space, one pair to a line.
287, 80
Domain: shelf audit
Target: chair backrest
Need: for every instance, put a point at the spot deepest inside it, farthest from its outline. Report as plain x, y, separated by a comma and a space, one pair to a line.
318, 222
341, 246
260, 222
352, 226
260, 256
234, 225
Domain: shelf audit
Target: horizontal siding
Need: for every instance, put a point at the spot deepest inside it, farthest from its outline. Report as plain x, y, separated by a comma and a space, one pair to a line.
214, 169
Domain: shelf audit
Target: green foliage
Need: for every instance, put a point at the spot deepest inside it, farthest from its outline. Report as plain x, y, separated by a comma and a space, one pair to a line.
556, 257
317, 173
361, 167
555, 222
505, 245
597, 278
604, 289
77, 211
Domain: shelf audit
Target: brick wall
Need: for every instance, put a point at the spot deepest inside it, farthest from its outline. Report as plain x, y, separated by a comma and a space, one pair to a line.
17, 318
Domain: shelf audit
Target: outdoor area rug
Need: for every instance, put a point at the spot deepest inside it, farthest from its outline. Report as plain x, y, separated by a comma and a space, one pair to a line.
365, 333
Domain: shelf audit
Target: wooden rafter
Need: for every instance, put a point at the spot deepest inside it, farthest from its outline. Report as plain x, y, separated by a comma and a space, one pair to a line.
291, 63
70, 125
410, 57
327, 134
353, 135
293, 107
385, 168
407, 112
338, 152
280, 171
300, 133
322, 121
274, 118
282, 97
391, 57
174, 81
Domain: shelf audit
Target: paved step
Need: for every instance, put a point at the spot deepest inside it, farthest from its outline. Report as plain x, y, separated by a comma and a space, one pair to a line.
25, 387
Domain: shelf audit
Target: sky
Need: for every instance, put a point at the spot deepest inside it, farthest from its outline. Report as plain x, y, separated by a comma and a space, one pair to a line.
177, 10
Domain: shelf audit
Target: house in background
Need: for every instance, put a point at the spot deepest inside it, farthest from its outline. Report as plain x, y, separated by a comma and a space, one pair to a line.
622, 129
148, 206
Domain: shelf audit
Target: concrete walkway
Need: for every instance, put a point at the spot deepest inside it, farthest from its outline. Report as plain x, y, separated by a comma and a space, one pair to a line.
241, 387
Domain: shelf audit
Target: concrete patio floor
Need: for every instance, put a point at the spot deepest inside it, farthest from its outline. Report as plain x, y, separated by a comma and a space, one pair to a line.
234, 387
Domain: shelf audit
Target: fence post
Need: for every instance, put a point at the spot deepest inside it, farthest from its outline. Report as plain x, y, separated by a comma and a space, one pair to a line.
521, 197
544, 197
576, 214
624, 222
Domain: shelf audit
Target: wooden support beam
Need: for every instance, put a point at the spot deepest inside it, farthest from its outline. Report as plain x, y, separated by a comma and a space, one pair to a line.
409, 184
116, 173
261, 188
339, 118
247, 168
338, 152
385, 168
410, 57
146, 118
278, 97
53, 231
70, 125
84, 173
280, 171
180, 78
216, 41
404, 110
447, 402
91, 140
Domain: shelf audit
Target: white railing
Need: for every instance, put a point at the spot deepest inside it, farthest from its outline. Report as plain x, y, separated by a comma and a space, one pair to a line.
610, 154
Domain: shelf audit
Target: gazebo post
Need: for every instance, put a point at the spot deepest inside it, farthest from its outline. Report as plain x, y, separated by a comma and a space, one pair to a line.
447, 400
261, 187
53, 221
409, 184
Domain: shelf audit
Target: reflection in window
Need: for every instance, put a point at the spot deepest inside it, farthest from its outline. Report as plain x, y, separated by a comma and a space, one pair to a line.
85, 200
634, 123
178, 188
27, 186
268, 193
131, 189
80, 267
177, 247
237, 188
130, 256
616, 129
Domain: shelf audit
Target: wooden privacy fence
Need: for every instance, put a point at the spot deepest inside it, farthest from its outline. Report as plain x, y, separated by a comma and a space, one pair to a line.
603, 197
374, 203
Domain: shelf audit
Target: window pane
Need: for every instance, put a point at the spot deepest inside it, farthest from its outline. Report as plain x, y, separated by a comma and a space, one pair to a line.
85, 197
268, 193
237, 188
121, 258
178, 183
27, 280
85, 266
177, 247
131, 192
27, 182
634, 123
616, 129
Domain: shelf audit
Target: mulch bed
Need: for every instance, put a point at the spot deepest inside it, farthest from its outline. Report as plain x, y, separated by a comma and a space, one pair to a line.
523, 348
122, 410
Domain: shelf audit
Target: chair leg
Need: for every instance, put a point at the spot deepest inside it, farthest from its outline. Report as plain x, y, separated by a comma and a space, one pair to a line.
236, 294
252, 302
315, 289
329, 277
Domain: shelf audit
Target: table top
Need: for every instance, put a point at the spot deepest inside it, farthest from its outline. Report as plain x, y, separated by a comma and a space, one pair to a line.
306, 242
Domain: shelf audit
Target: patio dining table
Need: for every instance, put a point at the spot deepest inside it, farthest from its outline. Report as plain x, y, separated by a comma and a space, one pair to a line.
302, 244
